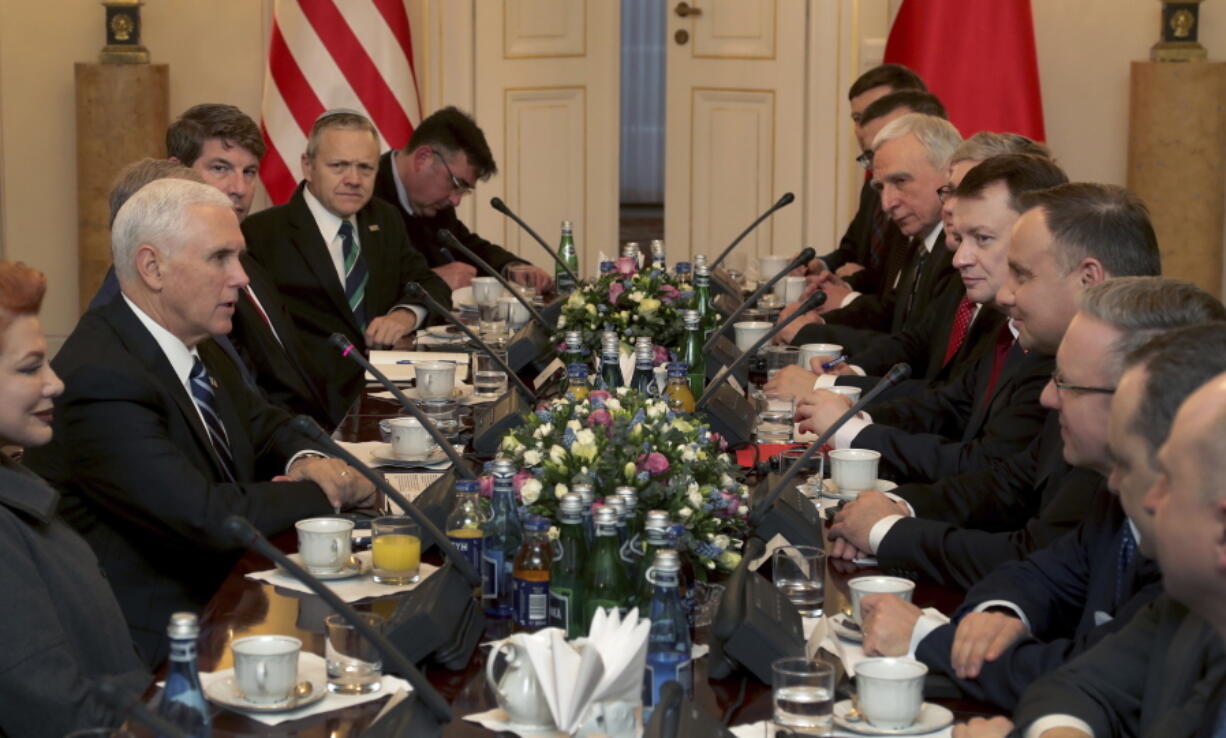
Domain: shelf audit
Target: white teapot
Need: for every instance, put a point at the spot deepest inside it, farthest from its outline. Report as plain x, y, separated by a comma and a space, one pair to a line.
518, 691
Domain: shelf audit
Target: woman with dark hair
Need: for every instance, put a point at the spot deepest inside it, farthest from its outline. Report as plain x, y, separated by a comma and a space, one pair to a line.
61, 629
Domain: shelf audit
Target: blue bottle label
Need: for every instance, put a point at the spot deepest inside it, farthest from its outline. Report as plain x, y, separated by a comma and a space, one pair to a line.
530, 603
469, 548
666, 667
493, 570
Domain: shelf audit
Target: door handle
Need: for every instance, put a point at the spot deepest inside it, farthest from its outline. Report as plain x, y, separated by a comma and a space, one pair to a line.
684, 9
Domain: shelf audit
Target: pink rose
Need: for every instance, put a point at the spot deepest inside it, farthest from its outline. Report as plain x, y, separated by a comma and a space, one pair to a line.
599, 396
661, 355
669, 293
654, 463
627, 266
615, 291
520, 477
600, 417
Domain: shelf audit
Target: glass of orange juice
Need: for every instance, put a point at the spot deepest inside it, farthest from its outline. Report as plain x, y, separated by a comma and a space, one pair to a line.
396, 549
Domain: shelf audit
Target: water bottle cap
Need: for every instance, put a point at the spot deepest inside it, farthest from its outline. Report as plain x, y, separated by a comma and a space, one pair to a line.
657, 246
571, 502
604, 516
656, 519
502, 467
183, 625
585, 492
667, 559
567, 226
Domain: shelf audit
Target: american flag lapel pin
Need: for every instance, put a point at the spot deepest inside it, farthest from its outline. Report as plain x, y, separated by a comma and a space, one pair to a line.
374, 226
213, 381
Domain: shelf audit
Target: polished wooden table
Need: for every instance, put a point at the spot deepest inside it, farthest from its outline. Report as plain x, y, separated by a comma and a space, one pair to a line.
245, 607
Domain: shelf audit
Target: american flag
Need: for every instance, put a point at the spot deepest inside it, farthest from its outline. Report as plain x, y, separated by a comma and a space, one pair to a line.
334, 54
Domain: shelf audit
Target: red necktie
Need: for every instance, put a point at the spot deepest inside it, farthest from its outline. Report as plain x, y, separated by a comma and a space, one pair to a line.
1004, 342
962, 323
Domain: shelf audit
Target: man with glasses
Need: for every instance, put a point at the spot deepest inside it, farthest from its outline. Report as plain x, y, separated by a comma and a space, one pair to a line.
958, 529
443, 161
340, 257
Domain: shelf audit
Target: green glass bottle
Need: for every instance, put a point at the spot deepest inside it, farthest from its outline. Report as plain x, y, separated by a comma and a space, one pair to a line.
691, 351
604, 578
566, 571
708, 316
568, 254
610, 362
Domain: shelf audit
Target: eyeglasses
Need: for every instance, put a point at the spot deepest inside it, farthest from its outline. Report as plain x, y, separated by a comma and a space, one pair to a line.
459, 186
946, 191
865, 160
1062, 386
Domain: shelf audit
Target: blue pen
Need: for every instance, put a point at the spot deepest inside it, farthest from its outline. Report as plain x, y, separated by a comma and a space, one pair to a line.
833, 363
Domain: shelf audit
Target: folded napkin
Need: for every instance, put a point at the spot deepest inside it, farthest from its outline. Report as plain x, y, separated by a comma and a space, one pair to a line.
351, 589
312, 666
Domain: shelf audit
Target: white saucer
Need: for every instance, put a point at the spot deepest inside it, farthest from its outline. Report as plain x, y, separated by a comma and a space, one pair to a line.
460, 392
446, 333
383, 455
828, 489
931, 718
844, 627
345, 572
225, 692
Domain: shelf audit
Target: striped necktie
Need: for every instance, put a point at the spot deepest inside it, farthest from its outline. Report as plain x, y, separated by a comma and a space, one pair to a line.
202, 394
355, 274
1128, 549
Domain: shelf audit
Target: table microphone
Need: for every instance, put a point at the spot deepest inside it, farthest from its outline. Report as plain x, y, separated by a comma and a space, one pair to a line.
416, 290
307, 426
127, 704
787, 199
897, 373
500, 206
813, 302
350, 351
802, 258
676, 717
245, 533
453, 242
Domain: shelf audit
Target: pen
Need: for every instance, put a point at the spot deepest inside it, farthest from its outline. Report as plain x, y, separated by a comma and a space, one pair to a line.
833, 363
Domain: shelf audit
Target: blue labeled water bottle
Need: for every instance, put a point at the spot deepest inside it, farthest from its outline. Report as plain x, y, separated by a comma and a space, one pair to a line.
182, 701
668, 642
503, 536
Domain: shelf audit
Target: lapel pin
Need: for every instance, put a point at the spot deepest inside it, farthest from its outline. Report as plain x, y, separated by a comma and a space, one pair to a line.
213, 382
374, 226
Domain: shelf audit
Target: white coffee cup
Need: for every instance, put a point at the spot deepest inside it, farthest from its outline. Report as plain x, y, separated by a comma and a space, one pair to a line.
851, 393
749, 332
266, 667
854, 469
792, 287
486, 290
769, 266
824, 351
516, 310
435, 379
409, 438
324, 543
890, 691
859, 587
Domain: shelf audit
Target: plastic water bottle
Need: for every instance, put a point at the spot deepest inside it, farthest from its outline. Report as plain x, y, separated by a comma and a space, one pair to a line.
182, 698
503, 535
668, 643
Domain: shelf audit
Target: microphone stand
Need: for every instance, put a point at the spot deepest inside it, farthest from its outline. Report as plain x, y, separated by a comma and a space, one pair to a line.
454, 243
815, 300
500, 206
897, 373
804, 256
243, 531
435, 307
787, 199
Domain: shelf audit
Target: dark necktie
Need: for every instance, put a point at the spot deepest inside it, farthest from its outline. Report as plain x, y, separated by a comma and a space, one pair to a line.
355, 274
876, 236
202, 394
916, 275
1128, 549
1004, 343
962, 325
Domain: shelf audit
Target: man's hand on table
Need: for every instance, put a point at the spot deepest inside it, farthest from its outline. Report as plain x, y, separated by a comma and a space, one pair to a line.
817, 410
344, 487
793, 380
996, 727
789, 331
983, 636
386, 330
843, 552
541, 279
857, 518
849, 269
457, 274
836, 291
887, 622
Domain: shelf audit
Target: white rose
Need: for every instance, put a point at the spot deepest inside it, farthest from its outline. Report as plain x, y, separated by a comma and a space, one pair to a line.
654, 411
621, 392
725, 482
693, 487
557, 454
543, 430
532, 457
585, 436
561, 321
530, 492
554, 533
687, 454
559, 490
723, 541
637, 296
742, 510
695, 499
591, 308
612, 405
684, 512
574, 425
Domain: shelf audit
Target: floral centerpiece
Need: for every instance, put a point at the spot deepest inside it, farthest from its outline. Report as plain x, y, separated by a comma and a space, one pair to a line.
626, 438
628, 301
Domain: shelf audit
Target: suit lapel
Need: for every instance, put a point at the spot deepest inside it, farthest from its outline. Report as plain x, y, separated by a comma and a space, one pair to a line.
304, 234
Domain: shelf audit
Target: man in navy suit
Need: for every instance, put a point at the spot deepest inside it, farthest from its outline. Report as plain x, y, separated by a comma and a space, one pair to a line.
1028, 617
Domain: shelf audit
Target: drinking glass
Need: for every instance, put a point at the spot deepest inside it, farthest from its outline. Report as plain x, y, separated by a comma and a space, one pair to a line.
493, 318
521, 275
778, 357
354, 664
443, 413
776, 411
489, 379
799, 573
395, 544
802, 691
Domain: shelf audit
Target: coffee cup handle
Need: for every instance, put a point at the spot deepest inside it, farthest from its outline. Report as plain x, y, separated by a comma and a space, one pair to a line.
261, 675
489, 664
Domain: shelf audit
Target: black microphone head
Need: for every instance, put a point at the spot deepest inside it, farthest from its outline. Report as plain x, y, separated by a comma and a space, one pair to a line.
341, 341
305, 425
807, 255
445, 235
239, 530
752, 549
816, 300
413, 289
898, 372
497, 204
787, 199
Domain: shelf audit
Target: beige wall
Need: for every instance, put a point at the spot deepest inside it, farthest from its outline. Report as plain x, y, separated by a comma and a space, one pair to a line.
216, 51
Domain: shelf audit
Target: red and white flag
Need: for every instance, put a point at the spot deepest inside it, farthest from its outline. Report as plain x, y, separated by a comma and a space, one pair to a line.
334, 54
978, 56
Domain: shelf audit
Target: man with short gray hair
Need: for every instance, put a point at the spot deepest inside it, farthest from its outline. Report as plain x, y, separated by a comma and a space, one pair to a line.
157, 440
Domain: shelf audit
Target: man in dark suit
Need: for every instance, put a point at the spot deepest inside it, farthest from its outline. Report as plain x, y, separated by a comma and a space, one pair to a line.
990, 409
1029, 617
1162, 674
442, 162
339, 257
158, 440
972, 525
